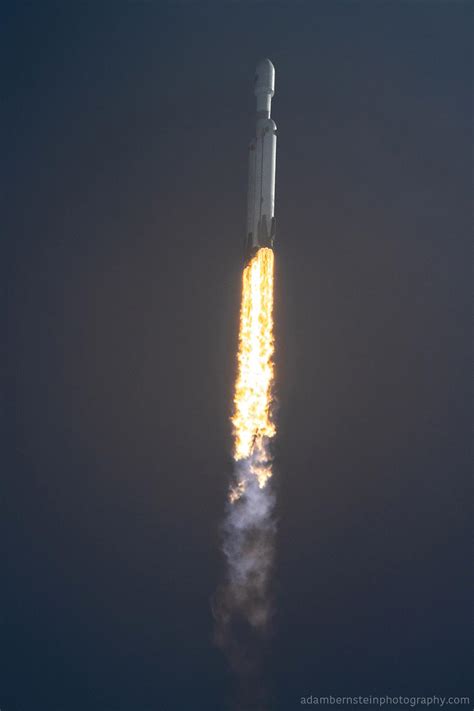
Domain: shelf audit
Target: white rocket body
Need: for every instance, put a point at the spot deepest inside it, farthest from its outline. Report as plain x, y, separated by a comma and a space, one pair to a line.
262, 165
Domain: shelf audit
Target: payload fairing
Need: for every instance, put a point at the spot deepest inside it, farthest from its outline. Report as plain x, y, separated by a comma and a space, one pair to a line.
262, 164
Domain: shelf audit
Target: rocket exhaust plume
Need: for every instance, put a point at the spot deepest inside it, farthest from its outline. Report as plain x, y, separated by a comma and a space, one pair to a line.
243, 604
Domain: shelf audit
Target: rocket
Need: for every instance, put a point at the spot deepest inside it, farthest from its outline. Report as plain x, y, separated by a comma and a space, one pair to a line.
262, 164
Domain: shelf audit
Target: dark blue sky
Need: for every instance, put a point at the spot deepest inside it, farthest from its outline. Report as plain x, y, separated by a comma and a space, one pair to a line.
124, 157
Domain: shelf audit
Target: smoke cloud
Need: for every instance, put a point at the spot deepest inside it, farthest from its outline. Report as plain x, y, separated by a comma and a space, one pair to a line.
243, 607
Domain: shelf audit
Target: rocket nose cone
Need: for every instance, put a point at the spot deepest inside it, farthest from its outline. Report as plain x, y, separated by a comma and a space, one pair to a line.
265, 65
265, 77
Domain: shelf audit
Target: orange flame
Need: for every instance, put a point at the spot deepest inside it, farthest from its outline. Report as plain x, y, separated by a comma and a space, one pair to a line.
252, 418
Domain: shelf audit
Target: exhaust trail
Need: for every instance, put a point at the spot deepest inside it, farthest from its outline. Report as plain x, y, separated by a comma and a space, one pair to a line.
253, 390
243, 610
242, 606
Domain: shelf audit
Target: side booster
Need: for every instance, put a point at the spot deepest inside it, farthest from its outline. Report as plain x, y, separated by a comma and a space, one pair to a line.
262, 165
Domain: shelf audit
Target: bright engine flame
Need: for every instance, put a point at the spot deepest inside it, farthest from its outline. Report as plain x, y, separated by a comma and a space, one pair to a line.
252, 418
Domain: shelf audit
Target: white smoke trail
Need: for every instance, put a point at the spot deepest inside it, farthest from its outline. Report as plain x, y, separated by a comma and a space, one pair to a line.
243, 608
243, 605
248, 546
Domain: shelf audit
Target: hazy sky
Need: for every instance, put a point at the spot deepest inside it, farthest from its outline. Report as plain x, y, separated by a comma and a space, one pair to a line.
124, 158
